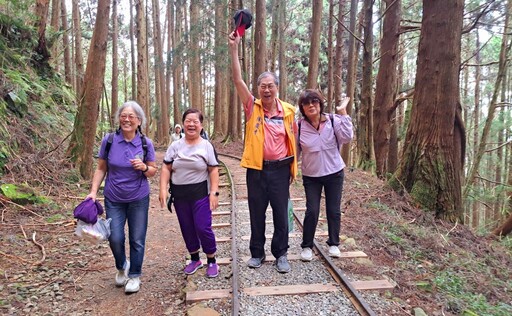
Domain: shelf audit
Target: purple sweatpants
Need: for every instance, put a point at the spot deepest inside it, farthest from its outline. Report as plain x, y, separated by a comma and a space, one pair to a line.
195, 218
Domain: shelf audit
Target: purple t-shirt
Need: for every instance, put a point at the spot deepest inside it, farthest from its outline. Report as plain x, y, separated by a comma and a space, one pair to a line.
123, 183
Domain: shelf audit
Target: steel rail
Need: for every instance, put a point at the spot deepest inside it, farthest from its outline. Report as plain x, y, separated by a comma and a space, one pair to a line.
235, 301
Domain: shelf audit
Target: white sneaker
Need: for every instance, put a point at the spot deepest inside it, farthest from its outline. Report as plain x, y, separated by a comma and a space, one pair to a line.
334, 251
122, 275
132, 286
306, 254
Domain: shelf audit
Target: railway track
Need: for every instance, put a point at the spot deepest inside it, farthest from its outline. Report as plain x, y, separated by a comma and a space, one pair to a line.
318, 287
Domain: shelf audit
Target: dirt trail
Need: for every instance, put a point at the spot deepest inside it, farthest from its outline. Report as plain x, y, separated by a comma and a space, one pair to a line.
162, 278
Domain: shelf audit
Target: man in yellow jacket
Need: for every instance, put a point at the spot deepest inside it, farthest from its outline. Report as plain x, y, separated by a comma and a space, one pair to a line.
270, 158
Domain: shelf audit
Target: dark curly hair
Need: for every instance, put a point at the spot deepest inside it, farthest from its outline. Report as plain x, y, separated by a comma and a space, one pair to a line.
309, 95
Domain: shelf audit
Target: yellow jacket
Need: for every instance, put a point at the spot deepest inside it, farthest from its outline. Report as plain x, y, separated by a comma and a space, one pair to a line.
254, 136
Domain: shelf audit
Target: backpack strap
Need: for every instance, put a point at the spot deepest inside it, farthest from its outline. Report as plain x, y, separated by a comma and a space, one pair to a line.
110, 139
331, 116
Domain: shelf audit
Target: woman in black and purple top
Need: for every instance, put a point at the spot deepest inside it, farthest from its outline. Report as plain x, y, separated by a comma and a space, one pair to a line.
320, 137
127, 161
191, 169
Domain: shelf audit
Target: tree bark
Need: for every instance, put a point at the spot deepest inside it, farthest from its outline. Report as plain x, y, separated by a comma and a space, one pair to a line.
260, 44
351, 73
115, 66
163, 117
314, 48
132, 52
433, 156
338, 64
221, 104
79, 59
195, 59
84, 132
65, 43
283, 71
177, 61
142, 61
386, 87
365, 135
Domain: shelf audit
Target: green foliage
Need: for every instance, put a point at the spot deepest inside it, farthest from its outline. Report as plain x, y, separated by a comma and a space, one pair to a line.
22, 194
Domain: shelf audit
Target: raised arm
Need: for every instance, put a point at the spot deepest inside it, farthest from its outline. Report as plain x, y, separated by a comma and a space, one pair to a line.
241, 88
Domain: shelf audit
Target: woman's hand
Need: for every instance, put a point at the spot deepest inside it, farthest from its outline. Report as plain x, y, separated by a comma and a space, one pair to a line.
342, 108
214, 202
138, 164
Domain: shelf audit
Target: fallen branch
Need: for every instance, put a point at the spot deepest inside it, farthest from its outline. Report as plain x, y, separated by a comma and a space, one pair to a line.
23, 231
41, 247
13, 257
20, 206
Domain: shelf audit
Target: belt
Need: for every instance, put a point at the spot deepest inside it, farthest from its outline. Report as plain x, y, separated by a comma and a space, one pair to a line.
273, 164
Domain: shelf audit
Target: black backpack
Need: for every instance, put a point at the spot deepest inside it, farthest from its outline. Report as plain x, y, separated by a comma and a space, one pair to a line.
142, 139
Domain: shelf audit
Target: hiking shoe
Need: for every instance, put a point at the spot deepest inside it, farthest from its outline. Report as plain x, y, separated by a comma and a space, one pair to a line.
212, 271
282, 265
306, 254
192, 267
255, 262
122, 275
334, 251
132, 286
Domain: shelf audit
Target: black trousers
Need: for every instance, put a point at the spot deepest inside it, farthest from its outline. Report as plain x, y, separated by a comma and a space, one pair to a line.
270, 185
333, 187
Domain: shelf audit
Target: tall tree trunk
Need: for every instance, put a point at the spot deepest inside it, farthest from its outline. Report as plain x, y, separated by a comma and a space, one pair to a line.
163, 118
195, 58
385, 92
142, 61
502, 67
133, 52
338, 65
496, 216
170, 41
41, 12
54, 23
260, 44
115, 66
177, 61
65, 43
314, 48
84, 133
274, 36
283, 72
79, 59
221, 63
351, 72
365, 135
331, 56
432, 160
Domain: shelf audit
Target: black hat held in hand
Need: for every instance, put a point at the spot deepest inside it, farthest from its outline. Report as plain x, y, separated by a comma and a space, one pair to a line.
243, 19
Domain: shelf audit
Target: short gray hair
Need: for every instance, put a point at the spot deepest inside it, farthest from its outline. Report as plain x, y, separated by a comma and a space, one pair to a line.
138, 110
267, 74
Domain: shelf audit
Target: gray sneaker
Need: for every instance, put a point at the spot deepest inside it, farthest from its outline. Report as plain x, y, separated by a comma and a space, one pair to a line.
282, 265
255, 262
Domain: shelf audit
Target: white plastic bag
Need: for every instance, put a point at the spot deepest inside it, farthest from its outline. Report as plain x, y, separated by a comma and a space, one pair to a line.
94, 233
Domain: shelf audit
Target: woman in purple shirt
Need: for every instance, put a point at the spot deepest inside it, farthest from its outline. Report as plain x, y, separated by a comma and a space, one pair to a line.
127, 166
320, 137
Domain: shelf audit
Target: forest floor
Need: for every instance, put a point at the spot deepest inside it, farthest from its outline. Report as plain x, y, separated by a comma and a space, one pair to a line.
442, 268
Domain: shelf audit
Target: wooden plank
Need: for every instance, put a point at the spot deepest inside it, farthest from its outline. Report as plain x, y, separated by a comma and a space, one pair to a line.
221, 213
291, 235
222, 239
220, 261
224, 203
224, 184
196, 296
299, 208
372, 285
291, 289
221, 225
297, 199
291, 257
248, 223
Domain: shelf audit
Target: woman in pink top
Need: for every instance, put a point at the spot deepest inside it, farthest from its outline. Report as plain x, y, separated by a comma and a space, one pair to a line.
320, 137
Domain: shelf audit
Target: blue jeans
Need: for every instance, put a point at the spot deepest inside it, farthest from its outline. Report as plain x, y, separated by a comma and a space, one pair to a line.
333, 186
136, 213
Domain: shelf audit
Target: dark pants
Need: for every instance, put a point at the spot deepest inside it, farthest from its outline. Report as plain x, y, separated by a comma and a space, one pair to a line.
195, 218
270, 185
333, 186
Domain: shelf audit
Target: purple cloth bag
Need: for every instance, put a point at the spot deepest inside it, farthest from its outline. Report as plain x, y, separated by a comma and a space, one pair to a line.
88, 211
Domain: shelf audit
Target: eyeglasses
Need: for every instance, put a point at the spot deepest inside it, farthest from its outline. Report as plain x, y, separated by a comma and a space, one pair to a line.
195, 122
267, 86
313, 102
131, 117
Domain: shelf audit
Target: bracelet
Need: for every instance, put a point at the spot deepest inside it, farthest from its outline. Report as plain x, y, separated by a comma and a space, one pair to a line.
146, 170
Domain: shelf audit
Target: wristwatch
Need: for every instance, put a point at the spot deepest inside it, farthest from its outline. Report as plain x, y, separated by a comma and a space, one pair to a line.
216, 193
